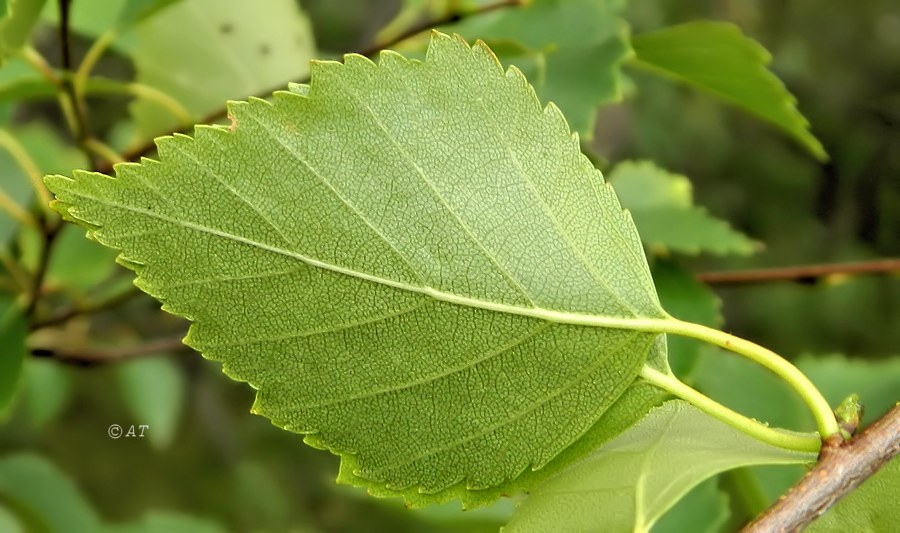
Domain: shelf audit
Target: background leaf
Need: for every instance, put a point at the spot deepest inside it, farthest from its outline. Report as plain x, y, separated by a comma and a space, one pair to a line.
718, 58
15, 27
48, 153
46, 391
153, 389
394, 247
628, 483
661, 204
704, 509
570, 50
46, 495
167, 522
217, 50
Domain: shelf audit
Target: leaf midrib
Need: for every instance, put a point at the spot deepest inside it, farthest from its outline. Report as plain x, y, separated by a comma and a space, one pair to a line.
649, 325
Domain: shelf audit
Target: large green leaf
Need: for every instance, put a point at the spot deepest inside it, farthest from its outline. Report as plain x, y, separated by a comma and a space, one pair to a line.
662, 205
412, 262
718, 58
570, 50
204, 52
627, 484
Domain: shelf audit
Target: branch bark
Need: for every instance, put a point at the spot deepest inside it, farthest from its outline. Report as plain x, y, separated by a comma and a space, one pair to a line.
92, 357
799, 273
842, 466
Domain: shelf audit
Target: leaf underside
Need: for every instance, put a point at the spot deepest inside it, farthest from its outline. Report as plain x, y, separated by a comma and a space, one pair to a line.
393, 257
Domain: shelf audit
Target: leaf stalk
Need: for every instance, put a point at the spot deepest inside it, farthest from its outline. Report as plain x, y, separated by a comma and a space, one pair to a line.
817, 404
783, 439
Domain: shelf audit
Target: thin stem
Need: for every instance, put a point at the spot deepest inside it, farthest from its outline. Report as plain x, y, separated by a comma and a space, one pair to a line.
825, 420
15, 270
86, 309
90, 357
38, 63
783, 439
11, 208
799, 273
27, 164
453, 15
74, 109
91, 57
103, 151
51, 229
172, 105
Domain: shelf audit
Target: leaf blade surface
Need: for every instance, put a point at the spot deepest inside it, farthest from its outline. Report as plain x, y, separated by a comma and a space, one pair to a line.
397, 258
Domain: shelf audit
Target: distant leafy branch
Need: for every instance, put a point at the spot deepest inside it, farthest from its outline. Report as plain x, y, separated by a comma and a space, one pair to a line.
455, 15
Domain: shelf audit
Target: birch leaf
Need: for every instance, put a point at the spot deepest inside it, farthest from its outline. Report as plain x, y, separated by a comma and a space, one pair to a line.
412, 262
716, 57
629, 483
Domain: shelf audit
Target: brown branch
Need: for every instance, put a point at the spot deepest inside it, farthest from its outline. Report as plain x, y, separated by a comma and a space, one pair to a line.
79, 123
450, 18
64, 315
799, 273
842, 467
91, 357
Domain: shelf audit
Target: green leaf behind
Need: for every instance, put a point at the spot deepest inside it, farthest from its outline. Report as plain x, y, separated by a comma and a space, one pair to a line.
204, 52
718, 58
166, 522
153, 389
45, 495
662, 205
570, 50
47, 391
402, 262
15, 28
627, 484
